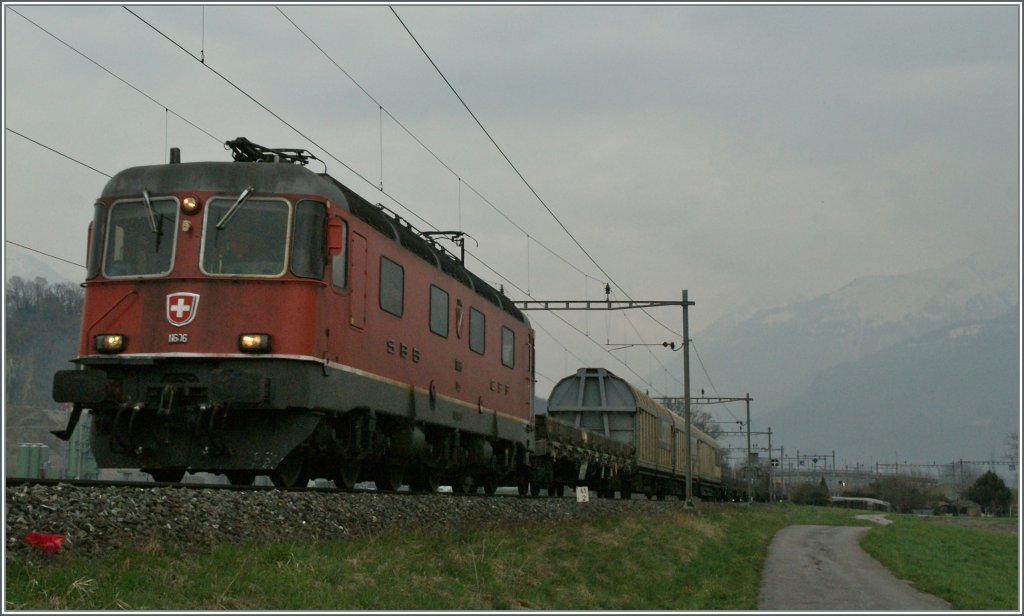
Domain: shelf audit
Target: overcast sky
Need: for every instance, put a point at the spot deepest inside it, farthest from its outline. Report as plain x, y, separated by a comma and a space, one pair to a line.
754, 155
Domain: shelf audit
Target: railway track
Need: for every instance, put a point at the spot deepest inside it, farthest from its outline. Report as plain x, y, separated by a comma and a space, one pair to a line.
110, 483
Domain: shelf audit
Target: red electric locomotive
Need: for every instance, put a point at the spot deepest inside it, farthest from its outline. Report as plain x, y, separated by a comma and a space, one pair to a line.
254, 317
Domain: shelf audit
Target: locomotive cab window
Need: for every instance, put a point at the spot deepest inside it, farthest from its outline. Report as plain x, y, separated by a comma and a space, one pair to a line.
477, 323
438, 311
392, 286
245, 237
140, 237
95, 248
508, 347
309, 240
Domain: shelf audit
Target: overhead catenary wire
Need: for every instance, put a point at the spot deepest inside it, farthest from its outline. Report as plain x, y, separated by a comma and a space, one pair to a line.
710, 382
58, 152
529, 186
118, 77
36, 250
426, 148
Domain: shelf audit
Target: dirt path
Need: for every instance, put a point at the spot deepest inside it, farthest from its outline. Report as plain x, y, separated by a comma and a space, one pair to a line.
824, 568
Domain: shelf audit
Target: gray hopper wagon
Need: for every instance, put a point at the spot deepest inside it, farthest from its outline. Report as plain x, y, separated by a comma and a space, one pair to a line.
609, 408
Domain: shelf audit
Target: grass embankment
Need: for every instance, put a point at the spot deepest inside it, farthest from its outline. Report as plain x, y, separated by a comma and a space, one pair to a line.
971, 568
675, 561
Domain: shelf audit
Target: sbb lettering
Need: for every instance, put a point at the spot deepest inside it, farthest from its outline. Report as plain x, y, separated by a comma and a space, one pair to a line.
403, 350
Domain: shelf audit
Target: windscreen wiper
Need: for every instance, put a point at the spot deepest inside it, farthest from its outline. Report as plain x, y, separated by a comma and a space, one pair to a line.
223, 222
151, 211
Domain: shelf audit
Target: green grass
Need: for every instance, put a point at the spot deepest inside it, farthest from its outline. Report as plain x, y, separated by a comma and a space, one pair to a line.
677, 561
972, 569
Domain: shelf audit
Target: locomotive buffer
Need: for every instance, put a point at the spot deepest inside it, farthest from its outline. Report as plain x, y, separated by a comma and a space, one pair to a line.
608, 304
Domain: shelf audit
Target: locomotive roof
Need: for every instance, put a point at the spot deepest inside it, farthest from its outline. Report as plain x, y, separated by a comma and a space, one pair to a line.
223, 177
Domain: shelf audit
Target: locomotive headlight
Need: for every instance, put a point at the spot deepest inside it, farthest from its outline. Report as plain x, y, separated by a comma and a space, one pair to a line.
254, 343
109, 343
190, 205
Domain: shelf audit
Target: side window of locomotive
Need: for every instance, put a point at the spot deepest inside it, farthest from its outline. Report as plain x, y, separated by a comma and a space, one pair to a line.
438, 311
476, 331
508, 347
133, 247
251, 239
339, 262
96, 234
392, 286
308, 240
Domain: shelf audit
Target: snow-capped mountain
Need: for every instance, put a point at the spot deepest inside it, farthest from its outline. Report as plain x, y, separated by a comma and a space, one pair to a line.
775, 354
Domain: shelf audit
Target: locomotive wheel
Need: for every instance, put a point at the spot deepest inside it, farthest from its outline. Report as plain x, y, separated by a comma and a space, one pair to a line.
289, 473
166, 475
465, 486
534, 489
523, 485
390, 478
555, 490
347, 475
240, 478
490, 485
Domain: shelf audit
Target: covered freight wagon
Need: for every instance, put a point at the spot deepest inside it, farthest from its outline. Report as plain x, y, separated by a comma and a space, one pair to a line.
599, 401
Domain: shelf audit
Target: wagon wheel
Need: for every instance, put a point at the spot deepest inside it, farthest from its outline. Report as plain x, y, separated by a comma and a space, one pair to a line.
534, 489
425, 480
555, 489
166, 475
390, 477
290, 473
465, 486
523, 485
240, 478
346, 475
490, 484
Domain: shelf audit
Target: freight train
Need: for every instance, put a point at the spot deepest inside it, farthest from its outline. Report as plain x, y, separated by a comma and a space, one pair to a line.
255, 317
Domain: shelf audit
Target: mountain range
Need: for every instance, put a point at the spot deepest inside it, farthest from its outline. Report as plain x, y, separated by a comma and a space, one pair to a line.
924, 365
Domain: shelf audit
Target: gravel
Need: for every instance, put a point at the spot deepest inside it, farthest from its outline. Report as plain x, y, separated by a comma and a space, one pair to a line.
97, 520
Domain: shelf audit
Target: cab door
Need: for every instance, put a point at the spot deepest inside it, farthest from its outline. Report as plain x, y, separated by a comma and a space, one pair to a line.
357, 297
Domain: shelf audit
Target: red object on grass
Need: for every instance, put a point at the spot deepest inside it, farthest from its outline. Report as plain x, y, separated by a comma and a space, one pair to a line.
50, 543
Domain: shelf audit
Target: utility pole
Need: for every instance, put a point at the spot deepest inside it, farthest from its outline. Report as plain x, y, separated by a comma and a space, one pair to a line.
750, 477
686, 404
782, 466
771, 482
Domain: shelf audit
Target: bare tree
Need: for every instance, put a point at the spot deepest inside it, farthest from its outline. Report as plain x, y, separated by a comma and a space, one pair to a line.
699, 417
1012, 442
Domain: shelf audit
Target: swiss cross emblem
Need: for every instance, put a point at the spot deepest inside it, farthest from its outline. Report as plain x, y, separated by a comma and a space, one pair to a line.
181, 308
